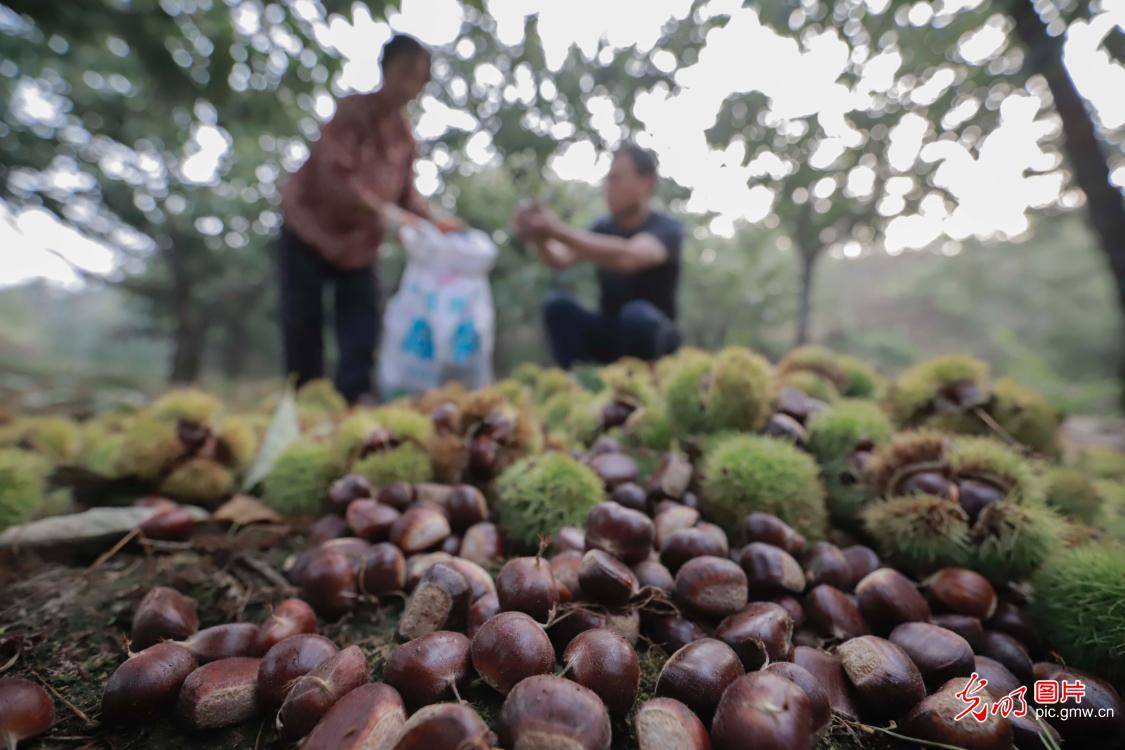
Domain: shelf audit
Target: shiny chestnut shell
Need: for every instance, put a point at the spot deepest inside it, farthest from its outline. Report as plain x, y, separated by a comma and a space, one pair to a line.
761, 633
428, 669
939, 654
526, 584
605, 663
698, 674
622, 532
763, 708
510, 647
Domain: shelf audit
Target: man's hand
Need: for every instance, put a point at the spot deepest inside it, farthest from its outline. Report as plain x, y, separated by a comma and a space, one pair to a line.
447, 224
534, 222
365, 194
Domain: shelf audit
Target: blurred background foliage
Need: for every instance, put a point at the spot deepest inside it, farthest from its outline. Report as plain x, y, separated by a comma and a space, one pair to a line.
132, 85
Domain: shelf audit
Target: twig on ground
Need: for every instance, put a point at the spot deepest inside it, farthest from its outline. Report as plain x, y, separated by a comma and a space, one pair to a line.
73, 708
109, 553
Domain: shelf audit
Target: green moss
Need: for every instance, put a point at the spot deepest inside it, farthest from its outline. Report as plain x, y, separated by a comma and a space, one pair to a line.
1026, 416
1078, 602
833, 437
408, 462
746, 473
537, 495
1071, 493
919, 532
321, 396
198, 480
916, 388
149, 446
1012, 539
733, 390
298, 482
23, 483
188, 404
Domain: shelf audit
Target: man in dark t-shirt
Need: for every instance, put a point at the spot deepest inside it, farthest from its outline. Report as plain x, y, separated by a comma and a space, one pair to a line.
637, 253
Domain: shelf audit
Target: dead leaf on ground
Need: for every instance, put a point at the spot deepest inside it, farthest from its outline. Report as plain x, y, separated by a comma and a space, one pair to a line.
245, 509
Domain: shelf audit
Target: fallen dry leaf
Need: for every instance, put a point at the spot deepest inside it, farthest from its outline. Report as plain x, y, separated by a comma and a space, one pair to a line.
245, 509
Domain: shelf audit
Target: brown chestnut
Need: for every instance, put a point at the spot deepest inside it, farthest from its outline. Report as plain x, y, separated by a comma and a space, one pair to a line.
440, 601
770, 571
327, 527
791, 605
605, 662
510, 647
482, 543
614, 468
417, 565
419, 528
1009, 652
967, 627
348, 488
26, 711
883, 675
862, 560
654, 575
832, 614
624, 533
220, 694
571, 622
526, 584
1012, 619
631, 495
286, 661
164, 614
821, 710
785, 427
171, 525
370, 717
544, 711
766, 707
828, 670
769, 529
399, 495
934, 720
314, 693
712, 586
481, 611
670, 520
371, 520
383, 570
825, 563
465, 505
929, 483
976, 495
428, 669
1000, 679
887, 598
452, 544
569, 538
684, 544
665, 723
223, 641
626, 623
328, 582
147, 683
760, 634
605, 579
962, 591
698, 674
939, 654
671, 477
480, 582
290, 617
1103, 714
445, 725
565, 566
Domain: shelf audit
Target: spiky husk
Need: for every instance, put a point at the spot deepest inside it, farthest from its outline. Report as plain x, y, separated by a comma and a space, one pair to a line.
350, 434
512, 389
919, 533
811, 384
553, 412
817, 360
537, 495
58, 439
527, 373
23, 482
1102, 462
648, 427
916, 388
550, 382
1071, 493
988, 458
1026, 416
449, 457
241, 438
863, 381
905, 449
666, 367
149, 447
1078, 602
630, 380
584, 420
198, 480
1011, 539
408, 463
405, 424
833, 437
746, 473
298, 481
731, 391
1111, 520
321, 396
188, 404
101, 451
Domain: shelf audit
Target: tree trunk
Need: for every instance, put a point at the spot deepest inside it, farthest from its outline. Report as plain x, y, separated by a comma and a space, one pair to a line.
236, 347
804, 309
187, 353
1104, 202
191, 328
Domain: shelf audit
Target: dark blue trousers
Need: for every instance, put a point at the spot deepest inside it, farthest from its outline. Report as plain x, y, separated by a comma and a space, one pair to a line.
303, 275
576, 334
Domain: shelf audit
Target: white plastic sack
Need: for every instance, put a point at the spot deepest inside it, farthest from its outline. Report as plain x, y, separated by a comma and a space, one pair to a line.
440, 324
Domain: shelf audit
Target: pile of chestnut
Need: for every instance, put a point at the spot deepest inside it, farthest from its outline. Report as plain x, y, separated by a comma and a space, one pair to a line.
767, 639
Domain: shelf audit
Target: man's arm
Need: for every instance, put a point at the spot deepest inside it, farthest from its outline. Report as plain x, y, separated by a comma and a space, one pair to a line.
637, 253
554, 254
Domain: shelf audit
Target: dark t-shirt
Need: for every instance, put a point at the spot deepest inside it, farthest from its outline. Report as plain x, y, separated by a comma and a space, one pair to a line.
657, 284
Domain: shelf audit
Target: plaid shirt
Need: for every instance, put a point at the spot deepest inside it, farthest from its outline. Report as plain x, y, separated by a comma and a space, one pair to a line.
364, 140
